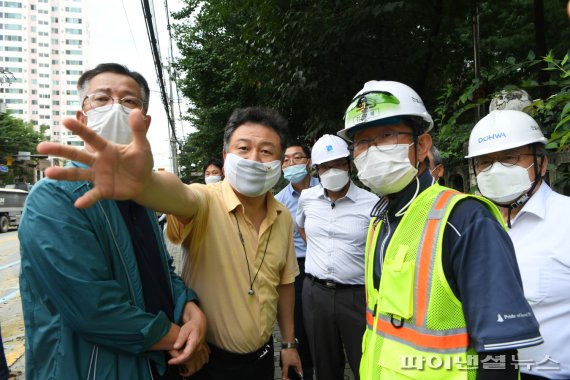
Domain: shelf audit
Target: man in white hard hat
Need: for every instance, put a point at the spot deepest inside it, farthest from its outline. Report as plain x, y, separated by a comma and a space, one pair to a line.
508, 155
334, 218
443, 286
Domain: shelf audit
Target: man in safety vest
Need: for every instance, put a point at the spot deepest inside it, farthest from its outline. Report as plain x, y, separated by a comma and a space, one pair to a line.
509, 158
444, 294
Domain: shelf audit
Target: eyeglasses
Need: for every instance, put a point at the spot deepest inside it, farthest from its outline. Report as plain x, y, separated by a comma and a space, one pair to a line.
385, 141
483, 164
294, 160
99, 100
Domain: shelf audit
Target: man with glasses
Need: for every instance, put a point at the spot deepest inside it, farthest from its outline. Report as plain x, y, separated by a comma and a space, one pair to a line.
296, 166
508, 155
99, 294
444, 296
334, 218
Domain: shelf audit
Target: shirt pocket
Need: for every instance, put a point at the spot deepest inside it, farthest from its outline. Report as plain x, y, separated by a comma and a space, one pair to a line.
536, 281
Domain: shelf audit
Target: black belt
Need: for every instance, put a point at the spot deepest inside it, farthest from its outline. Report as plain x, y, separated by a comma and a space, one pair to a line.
222, 355
331, 284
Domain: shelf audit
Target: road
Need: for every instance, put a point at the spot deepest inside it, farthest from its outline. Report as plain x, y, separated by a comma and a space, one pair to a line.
10, 301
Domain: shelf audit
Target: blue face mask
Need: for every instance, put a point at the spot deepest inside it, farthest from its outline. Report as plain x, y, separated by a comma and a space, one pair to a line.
295, 173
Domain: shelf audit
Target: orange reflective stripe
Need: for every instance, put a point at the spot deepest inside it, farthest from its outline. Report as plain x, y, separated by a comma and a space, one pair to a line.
426, 256
417, 338
371, 235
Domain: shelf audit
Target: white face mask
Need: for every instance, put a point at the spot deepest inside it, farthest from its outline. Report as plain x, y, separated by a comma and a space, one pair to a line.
111, 122
334, 179
251, 178
212, 179
502, 184
385, 172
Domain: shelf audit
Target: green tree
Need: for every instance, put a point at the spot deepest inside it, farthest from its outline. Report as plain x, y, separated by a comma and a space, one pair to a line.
308, 58
16, 136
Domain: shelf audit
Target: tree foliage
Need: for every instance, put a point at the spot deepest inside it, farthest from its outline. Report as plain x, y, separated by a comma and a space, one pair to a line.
308, 58
16, 136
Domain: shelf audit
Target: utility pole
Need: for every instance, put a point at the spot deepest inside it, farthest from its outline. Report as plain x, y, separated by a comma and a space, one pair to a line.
171, 137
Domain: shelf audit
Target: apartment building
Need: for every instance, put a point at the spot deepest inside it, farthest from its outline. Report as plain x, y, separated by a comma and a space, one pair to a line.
44, 44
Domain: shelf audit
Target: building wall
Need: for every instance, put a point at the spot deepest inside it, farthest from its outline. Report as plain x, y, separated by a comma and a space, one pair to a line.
45, 45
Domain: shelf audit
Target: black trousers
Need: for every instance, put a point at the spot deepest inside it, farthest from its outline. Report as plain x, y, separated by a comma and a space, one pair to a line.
4, 372
223, 365
335, 323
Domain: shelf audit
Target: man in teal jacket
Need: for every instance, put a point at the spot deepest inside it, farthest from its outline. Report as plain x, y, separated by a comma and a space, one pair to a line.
99, 294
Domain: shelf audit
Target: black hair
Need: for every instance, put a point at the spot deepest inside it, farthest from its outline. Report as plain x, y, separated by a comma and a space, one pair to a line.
213, 161
117, 69
301, 144
260, 115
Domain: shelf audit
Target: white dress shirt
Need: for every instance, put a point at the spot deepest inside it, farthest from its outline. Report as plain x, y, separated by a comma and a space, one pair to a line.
541, 235
336, 233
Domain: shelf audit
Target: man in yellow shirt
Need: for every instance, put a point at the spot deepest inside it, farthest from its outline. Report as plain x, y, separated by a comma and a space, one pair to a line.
239, 238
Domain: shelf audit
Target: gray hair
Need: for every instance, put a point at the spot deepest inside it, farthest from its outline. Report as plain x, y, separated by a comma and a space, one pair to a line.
116, 68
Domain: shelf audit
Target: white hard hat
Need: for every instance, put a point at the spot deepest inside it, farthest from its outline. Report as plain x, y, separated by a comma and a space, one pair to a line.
383, 100
328, 148
502, 130
510, 100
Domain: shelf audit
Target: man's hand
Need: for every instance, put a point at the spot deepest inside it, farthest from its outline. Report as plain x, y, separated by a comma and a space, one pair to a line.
196, 361
117, 171
192, 334
290, 361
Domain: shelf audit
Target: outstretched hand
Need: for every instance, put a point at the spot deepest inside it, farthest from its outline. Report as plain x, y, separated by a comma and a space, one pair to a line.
117, 171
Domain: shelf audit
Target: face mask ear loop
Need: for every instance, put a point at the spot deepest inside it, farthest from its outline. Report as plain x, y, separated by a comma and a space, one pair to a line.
403, 209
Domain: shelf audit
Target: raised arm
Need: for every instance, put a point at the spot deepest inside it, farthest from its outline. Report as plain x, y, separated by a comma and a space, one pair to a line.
120, 171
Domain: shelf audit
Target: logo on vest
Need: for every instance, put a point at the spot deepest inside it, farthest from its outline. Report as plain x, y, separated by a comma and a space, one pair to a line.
502, 318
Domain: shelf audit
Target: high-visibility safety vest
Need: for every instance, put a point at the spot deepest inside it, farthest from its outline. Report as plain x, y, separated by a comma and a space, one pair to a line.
415, 324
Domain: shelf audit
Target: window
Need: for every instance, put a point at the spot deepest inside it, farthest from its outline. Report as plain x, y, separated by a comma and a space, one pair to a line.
73, 62
74, 52
17, 16
12, 4
11, 48
72, 20
11, 38
73, 31
11, 26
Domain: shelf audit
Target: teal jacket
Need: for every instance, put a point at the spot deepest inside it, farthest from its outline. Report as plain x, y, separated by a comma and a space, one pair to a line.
81, 291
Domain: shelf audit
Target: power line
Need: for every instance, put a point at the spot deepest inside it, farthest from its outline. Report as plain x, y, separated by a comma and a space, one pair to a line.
131, 30
151, 31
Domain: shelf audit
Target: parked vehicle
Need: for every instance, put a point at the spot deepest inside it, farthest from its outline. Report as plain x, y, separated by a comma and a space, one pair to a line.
11, 207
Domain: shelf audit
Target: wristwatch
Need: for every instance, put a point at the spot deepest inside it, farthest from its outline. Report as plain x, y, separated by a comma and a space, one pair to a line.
293, 344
